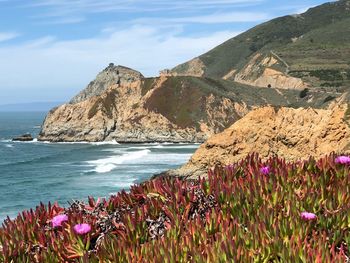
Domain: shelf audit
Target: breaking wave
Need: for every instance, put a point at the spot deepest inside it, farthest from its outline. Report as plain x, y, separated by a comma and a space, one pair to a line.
108, 164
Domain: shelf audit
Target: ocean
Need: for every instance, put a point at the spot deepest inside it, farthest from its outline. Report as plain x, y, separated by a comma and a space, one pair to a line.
34, 172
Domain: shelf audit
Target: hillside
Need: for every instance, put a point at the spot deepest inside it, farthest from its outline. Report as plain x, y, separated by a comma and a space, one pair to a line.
295, 61
294, 134
165, 109
296, 51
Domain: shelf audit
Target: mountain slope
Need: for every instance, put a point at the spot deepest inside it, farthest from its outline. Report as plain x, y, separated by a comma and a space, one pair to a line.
295, 61
176, 109
313, 46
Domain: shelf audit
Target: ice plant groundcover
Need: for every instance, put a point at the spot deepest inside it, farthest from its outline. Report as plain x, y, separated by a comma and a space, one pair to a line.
268, 211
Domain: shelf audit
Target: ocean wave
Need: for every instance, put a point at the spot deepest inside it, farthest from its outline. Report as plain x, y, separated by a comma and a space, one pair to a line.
35, 140
113, 142
40, 159
9, 145
108, 164
126, 184
167, 158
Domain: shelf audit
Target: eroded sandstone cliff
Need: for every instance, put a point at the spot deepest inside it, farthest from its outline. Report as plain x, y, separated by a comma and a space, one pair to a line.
122, 105
294, 134
149, 110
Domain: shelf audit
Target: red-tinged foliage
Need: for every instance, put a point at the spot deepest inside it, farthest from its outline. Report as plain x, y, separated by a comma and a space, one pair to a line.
240, 213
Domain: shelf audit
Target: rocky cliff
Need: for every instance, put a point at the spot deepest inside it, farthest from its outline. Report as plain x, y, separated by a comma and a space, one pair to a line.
111, 75
148, 110
294, 134
164, 109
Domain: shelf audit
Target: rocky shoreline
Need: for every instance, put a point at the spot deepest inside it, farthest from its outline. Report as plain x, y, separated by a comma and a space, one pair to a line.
294, 134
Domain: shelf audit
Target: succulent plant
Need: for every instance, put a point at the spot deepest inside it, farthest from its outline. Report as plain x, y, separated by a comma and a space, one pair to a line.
285, 212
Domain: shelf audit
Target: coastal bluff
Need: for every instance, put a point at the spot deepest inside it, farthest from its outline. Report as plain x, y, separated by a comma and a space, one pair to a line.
293, 134
122, 105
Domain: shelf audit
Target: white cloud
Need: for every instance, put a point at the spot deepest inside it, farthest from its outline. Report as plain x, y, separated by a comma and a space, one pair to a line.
81, 8
49, 66
216, 18
5, 36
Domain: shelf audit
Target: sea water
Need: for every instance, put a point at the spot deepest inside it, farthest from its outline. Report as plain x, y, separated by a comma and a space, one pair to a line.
34, 172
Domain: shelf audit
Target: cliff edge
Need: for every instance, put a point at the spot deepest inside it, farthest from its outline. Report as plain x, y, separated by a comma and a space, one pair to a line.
293, 134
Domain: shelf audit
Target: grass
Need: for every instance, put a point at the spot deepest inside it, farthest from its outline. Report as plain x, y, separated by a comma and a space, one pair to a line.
106, 104
322, 37
238, 214
183, 99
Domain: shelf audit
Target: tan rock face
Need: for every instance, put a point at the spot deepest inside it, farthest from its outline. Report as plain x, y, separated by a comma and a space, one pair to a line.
112, 75
294, 134
194, 67
259, 72
129, 113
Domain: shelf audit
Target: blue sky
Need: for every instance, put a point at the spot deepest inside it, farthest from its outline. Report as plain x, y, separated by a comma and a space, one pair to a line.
51, 49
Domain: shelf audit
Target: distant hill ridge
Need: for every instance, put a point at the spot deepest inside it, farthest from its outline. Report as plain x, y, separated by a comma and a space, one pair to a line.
313, 47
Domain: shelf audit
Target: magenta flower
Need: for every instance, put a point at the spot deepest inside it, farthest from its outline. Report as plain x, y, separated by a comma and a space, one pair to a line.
308, 216
265, 170
58, 220
82, 229
342, 159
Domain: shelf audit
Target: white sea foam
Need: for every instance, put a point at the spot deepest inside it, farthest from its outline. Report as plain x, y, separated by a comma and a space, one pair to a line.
108, 164
158, 146
167, 158
113, 142
126, 184
8, 145
35, 140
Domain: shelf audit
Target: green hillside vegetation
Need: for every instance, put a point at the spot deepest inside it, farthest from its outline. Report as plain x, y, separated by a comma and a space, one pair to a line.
315, 45
188, 98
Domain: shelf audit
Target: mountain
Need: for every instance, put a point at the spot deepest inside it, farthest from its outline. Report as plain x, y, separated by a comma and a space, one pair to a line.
31, 106
296, 51
295, 61
293, 134
180, 109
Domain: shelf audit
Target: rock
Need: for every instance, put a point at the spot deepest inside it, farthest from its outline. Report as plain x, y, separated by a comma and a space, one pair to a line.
111, 75
294, 134
259, 72
23, 138
153, 110
164, 109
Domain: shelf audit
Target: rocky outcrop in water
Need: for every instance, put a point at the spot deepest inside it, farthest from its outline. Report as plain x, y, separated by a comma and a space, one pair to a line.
293, 134
23, 138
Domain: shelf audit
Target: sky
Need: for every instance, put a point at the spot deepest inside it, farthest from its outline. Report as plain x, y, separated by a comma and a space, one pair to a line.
51, 49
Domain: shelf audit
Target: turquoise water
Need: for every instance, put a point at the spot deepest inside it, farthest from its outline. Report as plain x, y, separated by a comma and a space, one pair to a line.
34, 172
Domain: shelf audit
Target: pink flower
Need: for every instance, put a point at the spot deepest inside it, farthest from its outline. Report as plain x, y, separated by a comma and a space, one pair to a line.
58, 220
82, 229
265, 170
308, 216
342, 159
